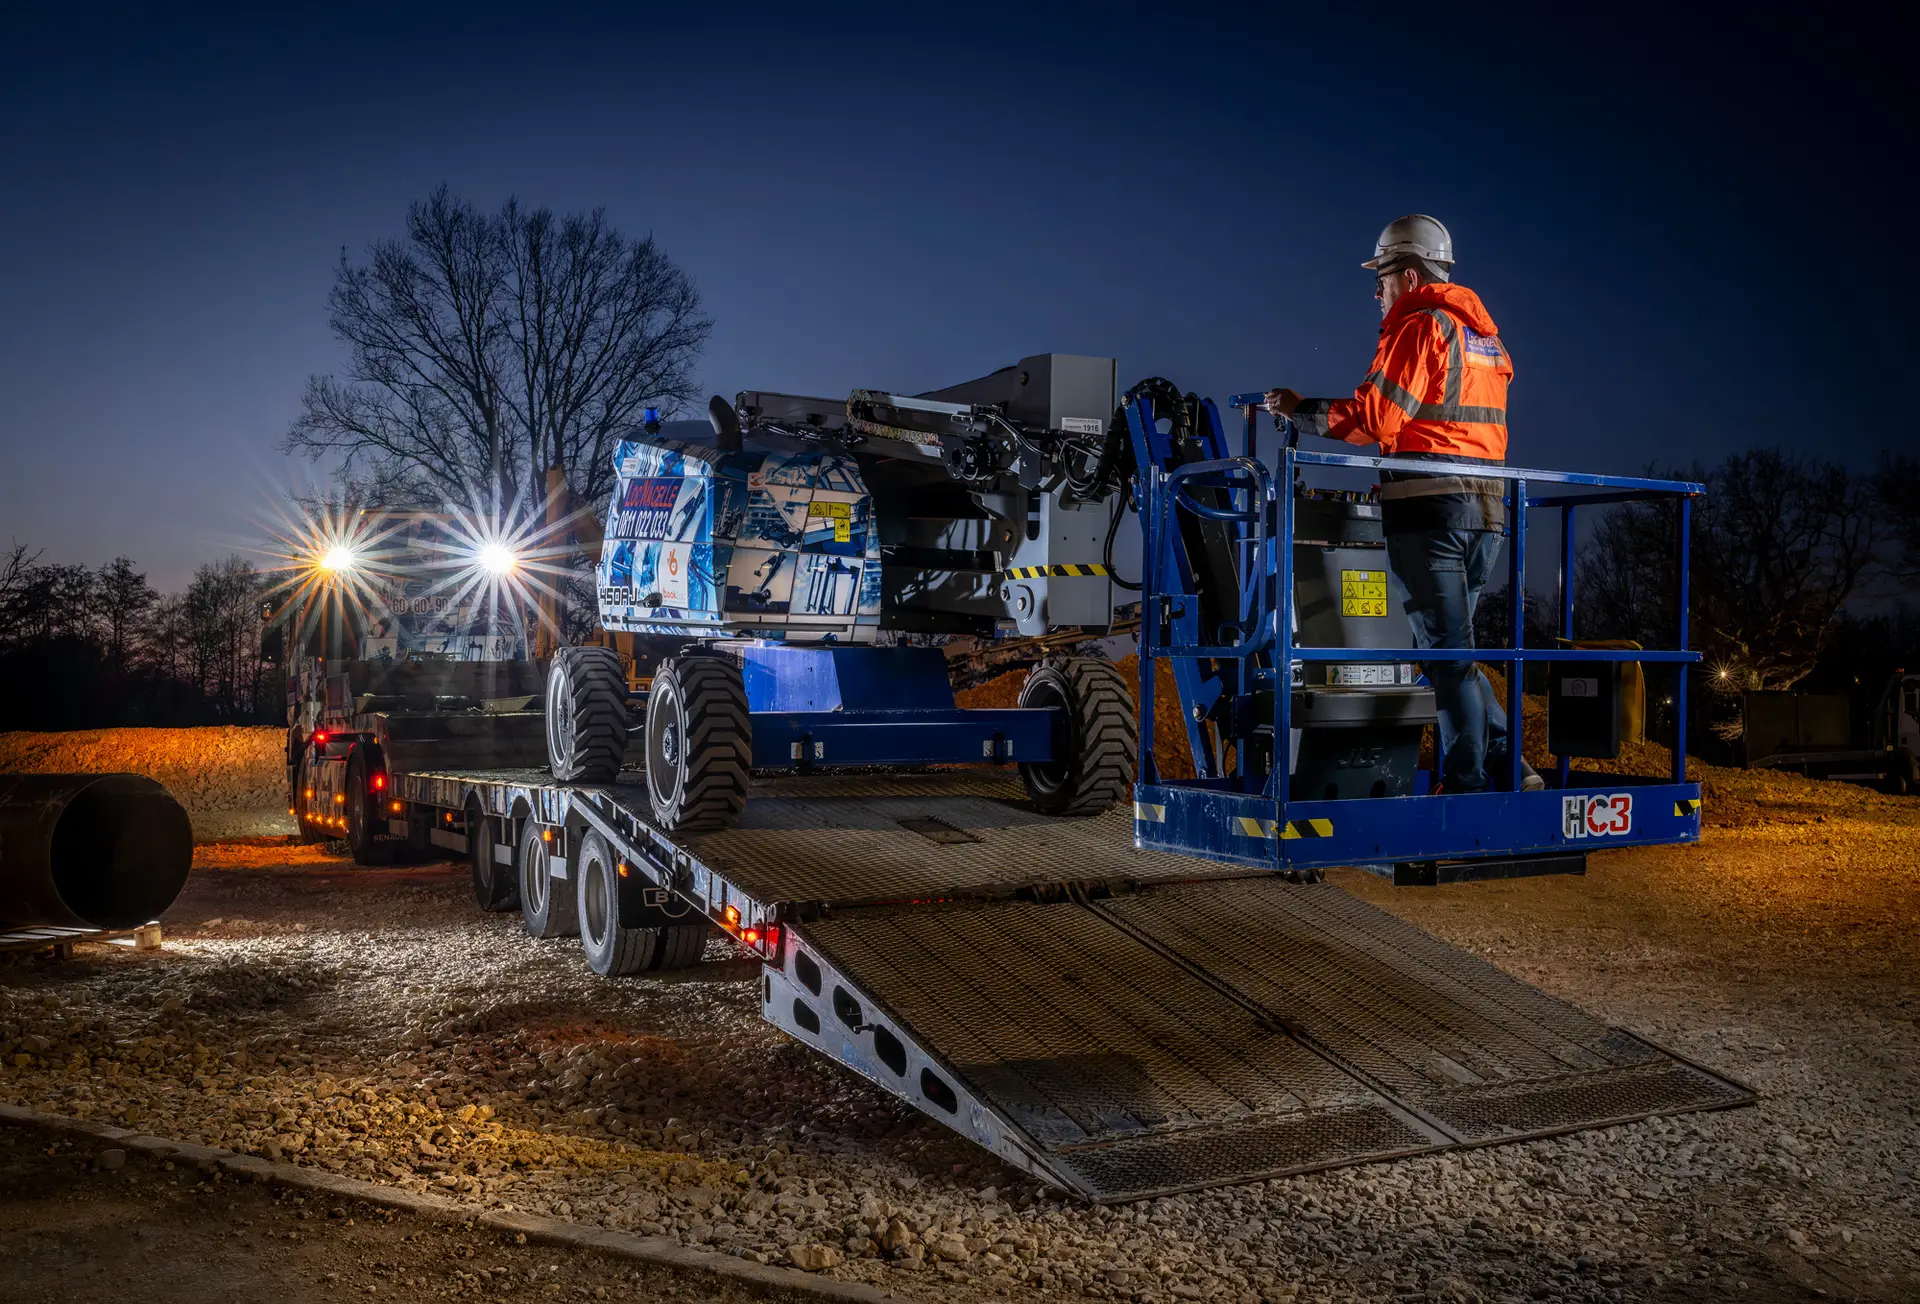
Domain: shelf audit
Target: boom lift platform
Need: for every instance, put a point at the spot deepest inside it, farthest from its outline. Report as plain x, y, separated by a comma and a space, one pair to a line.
1148, 999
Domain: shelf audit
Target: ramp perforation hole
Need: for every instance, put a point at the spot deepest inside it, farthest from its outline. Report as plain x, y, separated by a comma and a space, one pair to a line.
804, 1016
767, 999
891, 1052
938, 1092
806, 971
845, 1008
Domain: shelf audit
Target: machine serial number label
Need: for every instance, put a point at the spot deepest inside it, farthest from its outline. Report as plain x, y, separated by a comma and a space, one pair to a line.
1369, 676
1083, 425
1585, 815
1363, 593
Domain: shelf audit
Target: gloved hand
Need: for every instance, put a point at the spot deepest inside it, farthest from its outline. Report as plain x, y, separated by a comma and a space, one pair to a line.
1281, 403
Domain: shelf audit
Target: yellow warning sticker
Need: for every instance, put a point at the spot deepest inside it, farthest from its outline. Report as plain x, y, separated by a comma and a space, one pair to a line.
841, 514
1363, 593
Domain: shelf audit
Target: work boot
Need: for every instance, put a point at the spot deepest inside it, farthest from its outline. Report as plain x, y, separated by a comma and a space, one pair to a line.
1530, 780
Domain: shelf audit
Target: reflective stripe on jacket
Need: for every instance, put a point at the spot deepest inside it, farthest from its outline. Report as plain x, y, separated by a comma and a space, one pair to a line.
1438, 384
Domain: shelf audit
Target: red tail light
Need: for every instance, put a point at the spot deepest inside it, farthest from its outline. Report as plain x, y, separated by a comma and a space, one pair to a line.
379, 782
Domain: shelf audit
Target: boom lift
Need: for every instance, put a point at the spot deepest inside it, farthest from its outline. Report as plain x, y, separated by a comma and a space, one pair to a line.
1121, 1000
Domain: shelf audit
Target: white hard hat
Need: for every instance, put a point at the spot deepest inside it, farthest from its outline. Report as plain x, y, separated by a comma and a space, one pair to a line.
1415, 235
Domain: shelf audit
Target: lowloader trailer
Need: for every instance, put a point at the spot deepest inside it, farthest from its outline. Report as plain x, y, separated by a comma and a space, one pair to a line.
1123, 999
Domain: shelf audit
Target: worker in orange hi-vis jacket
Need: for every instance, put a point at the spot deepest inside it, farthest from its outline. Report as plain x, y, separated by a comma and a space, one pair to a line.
1437, 392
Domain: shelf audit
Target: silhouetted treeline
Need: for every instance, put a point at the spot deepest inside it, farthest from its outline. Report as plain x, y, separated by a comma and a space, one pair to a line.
83, 648
1800, 574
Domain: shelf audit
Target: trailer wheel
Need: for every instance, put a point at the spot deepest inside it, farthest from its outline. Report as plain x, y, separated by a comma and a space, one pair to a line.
310, 832
586, 715
1096, 744
547, 910
494, 886
362, 816
699, 744
612, 951
681, 946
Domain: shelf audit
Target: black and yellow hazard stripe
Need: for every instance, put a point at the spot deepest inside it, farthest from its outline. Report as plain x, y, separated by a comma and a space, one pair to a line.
1255, 828
1686, 806
1076, 570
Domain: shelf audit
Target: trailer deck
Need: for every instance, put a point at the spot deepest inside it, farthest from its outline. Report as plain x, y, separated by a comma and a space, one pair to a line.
1119, 1022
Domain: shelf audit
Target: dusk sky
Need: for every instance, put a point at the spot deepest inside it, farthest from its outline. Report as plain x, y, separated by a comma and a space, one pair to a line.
1686, 228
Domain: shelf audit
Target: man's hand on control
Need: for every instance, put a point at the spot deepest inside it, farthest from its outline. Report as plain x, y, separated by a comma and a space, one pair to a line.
1282, 402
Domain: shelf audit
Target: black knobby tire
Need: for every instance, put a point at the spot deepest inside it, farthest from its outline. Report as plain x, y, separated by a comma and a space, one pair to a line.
1096, 745
362, 811
495, 886
586, 715
547, 907
611, 950
699, 744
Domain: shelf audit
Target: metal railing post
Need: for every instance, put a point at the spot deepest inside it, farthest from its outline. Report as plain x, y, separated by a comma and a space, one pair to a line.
1517, 584
1684, 520
1565, 763
1282, 613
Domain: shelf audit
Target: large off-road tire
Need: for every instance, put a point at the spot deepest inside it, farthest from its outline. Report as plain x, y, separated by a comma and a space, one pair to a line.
495, 885
1096, 743
586, 715
699, 744
366, 820
548, 908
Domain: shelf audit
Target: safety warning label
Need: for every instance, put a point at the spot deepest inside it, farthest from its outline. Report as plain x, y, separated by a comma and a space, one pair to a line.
841, 514
1363, 593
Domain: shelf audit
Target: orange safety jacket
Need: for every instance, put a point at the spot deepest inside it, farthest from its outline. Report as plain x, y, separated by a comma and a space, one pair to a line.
1438, 384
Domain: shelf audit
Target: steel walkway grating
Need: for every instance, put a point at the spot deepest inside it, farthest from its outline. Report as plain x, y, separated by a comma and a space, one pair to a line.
1198, 1034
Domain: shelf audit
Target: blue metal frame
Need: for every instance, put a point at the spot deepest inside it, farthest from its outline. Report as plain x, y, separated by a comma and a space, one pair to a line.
1247, 817
877, 706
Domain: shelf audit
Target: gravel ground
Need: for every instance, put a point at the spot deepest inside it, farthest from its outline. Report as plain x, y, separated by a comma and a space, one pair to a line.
85, 1222
370, 1021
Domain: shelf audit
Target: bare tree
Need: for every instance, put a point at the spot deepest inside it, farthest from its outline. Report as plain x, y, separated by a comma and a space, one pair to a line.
484, 349
125, 598
1897, 489
1779, 544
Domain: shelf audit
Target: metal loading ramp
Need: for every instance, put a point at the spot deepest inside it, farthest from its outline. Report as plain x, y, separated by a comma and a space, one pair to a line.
1206, 1033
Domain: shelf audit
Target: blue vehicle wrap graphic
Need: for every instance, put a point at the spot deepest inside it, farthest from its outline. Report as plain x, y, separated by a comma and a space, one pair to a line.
781, 544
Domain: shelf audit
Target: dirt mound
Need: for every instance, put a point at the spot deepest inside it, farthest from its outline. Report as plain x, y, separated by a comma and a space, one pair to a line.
231, 779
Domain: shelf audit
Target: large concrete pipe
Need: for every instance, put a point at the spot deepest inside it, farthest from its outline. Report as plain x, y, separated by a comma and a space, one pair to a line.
89, 850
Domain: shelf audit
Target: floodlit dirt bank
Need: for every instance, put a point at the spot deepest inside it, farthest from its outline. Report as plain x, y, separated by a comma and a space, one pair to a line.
231, 779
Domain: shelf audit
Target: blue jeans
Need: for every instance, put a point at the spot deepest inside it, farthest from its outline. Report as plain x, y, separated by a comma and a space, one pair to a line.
1439, 574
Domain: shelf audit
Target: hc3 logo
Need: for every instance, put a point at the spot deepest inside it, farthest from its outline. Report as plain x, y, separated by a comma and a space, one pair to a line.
1585, 816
